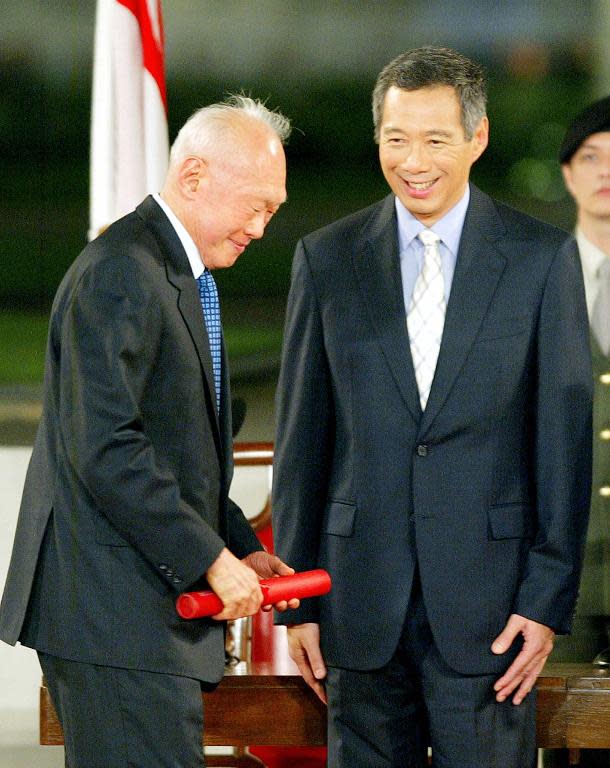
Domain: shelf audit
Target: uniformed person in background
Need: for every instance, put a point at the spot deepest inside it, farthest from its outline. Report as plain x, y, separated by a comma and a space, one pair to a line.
585, 162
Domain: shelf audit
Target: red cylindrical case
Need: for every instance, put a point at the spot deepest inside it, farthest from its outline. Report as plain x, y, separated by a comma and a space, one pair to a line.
196, 605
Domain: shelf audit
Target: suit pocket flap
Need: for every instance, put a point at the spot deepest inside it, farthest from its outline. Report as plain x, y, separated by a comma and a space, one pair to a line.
509, 521
340, 518
503, 328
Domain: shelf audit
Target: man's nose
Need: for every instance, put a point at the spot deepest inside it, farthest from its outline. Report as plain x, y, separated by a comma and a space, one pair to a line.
255, 228
417, 158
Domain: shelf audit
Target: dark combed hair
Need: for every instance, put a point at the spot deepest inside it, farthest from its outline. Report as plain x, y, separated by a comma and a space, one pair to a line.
432, 66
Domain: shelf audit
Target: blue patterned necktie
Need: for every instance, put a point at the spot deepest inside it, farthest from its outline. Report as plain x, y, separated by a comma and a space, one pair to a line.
208, 294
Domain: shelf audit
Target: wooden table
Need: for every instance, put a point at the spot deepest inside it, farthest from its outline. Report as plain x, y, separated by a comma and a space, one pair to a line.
255, 703
271, 705
573, 708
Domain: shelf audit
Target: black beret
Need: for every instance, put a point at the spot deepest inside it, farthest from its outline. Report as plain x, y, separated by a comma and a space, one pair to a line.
593, 119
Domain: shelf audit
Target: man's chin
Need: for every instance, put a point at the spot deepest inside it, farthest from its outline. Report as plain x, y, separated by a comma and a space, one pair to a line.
423, 210
222, 260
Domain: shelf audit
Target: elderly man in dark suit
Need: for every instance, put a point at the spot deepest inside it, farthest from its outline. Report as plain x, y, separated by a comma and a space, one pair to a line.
126, 498
434, 443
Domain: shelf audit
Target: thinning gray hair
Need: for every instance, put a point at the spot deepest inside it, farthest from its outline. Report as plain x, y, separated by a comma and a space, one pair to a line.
432, 66
209, 125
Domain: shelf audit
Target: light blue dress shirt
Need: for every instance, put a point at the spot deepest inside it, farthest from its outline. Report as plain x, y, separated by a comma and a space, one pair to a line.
449, 229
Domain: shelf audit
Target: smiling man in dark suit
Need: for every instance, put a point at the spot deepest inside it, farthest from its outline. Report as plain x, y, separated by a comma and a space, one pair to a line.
434, 444
126, 498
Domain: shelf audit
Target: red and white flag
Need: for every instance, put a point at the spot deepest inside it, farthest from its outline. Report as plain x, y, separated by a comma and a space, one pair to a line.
129, 140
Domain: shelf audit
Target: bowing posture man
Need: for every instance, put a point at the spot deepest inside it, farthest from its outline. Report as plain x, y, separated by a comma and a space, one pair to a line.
126, 498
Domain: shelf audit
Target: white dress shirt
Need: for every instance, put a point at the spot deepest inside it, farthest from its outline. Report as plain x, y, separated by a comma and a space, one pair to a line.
591, 258
192, 252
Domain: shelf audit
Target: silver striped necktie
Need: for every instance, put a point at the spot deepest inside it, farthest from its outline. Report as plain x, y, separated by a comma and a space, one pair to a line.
426, 315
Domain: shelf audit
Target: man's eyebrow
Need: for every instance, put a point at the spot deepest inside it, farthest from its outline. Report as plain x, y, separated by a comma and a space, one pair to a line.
433, 132
590, 145
273, 203
440, 132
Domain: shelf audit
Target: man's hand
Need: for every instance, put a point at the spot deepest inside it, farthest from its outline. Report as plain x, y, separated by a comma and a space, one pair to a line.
522, 673
304, 649
267, 566
236, 584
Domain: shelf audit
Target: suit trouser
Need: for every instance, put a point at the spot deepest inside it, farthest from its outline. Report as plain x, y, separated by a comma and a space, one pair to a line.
122, 718
387, 717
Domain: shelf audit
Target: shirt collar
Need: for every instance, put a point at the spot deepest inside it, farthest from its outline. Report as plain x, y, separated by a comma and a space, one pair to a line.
192, 252
591, 256
449, 228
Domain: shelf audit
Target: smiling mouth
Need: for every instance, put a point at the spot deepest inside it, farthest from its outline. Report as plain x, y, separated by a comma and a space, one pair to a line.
419, 186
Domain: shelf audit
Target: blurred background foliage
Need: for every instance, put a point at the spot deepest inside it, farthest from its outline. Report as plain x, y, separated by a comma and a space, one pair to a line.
333, 168
538, 79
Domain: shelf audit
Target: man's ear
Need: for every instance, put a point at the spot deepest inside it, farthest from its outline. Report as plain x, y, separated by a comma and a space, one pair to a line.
480, 138
566, 170
191, 174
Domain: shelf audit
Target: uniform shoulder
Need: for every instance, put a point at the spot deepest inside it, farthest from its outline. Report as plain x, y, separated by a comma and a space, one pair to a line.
528, 227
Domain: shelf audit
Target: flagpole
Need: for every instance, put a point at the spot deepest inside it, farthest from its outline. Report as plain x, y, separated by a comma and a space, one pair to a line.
129, 138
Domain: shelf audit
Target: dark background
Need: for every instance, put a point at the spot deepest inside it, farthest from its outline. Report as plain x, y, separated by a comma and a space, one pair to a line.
317, 62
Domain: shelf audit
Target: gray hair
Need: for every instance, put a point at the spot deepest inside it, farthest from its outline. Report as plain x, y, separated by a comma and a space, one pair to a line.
432, 66
209, 125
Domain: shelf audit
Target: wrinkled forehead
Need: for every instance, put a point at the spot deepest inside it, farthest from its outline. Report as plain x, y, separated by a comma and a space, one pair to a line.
260, 176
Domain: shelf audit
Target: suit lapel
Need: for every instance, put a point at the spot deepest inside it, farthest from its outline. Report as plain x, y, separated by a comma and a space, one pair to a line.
478, 269
225, 407
377, 270
180, 276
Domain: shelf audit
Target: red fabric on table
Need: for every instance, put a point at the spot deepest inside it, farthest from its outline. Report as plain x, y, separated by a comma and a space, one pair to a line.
267, 643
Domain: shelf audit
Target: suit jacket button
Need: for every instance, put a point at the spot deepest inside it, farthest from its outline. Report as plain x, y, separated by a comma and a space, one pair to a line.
422, 450
162, 567
605, 378
604, 491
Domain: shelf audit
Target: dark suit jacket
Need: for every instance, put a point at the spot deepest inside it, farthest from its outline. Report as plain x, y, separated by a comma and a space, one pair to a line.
125, 501
487, 490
